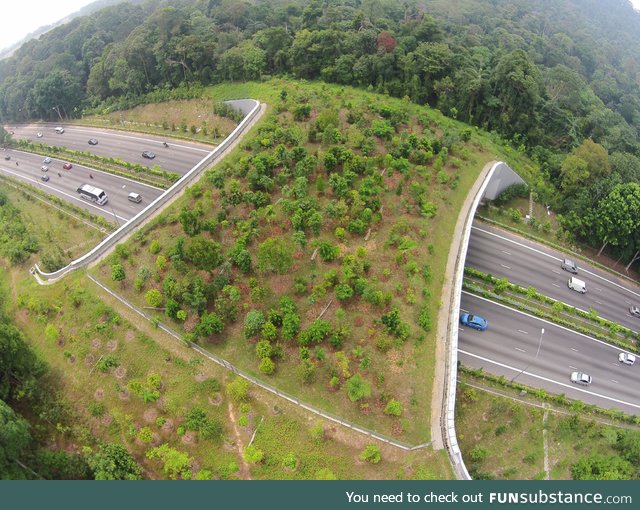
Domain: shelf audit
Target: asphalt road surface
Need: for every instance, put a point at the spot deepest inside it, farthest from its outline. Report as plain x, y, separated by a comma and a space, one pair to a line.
179, 157
530, 264
510, 345
65, 185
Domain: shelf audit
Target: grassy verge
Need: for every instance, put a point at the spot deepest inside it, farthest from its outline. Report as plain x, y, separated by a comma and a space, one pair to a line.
501, 435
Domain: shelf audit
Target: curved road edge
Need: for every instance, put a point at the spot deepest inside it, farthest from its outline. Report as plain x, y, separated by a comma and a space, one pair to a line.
443, 403
253, 112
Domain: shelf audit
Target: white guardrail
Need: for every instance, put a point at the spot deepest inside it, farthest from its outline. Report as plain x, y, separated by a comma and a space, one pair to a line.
448, 424
96, 253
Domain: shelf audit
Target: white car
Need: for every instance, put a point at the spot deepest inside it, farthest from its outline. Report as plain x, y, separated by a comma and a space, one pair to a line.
626, 358
47, 160
44, 168
635, 311
39, 134
581, 378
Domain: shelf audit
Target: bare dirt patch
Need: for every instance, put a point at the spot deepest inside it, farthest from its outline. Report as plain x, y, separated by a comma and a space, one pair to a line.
150, 415
96, 344
112, 345
123, 394
200, 377
89, 359
106, 420
99, 394
120, 372
168, 425
129, 336
216, 399
190, 437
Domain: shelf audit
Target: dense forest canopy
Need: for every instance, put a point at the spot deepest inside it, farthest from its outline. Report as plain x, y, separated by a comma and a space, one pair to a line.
546, 75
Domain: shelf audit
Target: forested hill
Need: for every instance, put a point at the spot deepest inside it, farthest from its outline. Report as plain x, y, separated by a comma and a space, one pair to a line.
520, 67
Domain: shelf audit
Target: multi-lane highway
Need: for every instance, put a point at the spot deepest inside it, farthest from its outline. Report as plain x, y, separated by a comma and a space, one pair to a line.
179, 157
527, 263
64, 184
510, 344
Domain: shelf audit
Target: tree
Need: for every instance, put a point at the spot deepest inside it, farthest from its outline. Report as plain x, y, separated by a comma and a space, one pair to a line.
14, 438
209, 324
114, 462
618, 218
275, 256
189, 220
238, 390
204, 253
253, 323
175, 464
393, 408
601, 467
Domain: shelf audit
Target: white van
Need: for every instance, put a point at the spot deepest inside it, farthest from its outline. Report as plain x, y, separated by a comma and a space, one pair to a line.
577, 285
134, 197
59, 130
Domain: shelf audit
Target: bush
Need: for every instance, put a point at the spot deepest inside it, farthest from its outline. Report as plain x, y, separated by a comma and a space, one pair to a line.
357, 388
393, 408
238, 390
253, 323
153, 298
371, 454
267, 366
51, 333
252, 454
343, 292
154, 247
117, 273
478, 454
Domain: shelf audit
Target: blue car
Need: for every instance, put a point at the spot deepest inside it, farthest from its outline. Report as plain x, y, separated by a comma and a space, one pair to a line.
474, 321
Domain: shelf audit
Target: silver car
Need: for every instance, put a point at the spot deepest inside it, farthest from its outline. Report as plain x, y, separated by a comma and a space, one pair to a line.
635, 311
581, 378
47, 160
569, 265
626, 358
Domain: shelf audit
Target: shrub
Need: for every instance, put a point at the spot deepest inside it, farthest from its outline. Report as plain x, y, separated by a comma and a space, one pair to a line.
393, 408
267, 366
343, 292
264, 349
153, 298
371, 454
478, 454
238, 390
117, 273
154, 247
424, 319
51, 333
107, 362
253, 323
145, 435
274, 255
161, 262
252, 454
357, 388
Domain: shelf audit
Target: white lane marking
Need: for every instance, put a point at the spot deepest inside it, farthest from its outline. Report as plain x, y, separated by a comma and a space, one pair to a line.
614, 381
574, 349
551, 324
556, 271
555, 285
554, 258
506, 267
599, 302
463, 310
521, 350
72, 197
598, 289
525, 332
572, 367
505, 252
575, 387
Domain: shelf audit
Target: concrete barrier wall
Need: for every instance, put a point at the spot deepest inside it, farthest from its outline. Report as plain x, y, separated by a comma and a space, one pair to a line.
174, 191
451, 378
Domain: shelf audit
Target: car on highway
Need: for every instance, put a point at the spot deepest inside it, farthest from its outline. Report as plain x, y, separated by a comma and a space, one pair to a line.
134, 197
569, 265
626, 358
59, 130
635, 311
44, 168
93, 141
39, 134
44, 178
7, 157
67, 166
581, 378
47, 160
148, 154
474, 321
577, 285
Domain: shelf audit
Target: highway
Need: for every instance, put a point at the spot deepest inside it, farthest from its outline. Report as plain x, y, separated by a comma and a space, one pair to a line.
179, 157
65, 185
527, 263
510, 343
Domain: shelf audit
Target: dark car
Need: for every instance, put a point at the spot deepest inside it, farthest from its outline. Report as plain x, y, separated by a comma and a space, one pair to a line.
7, 157
474, 321
93, 141
148, 154
67, 166
44, 178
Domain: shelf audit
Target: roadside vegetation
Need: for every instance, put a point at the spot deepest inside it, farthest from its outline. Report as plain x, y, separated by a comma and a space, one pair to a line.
500, 432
